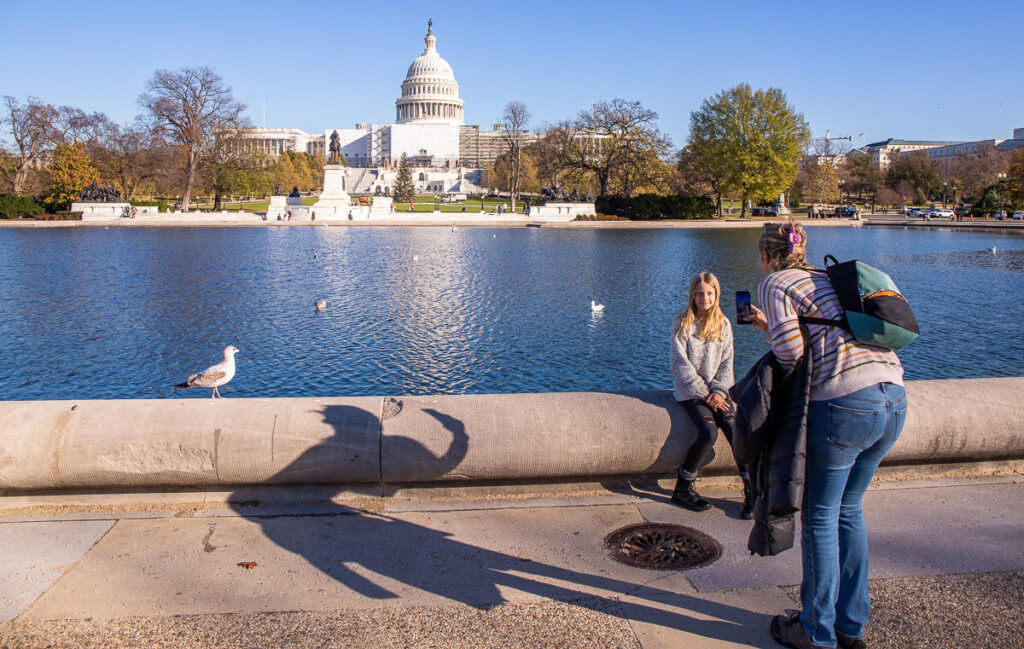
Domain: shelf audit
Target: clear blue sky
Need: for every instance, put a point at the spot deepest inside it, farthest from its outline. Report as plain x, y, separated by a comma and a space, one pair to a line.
915, 70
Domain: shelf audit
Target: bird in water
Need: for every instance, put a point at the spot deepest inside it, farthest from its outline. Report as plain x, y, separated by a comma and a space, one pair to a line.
993, 250
320, 305
214, 376
595, 307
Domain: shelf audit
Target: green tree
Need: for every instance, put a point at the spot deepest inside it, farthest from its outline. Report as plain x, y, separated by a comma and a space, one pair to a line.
284, 173
230, 166
752, 140
70, 172
403, 189
316, 168
915, 170
861, 177
303, 174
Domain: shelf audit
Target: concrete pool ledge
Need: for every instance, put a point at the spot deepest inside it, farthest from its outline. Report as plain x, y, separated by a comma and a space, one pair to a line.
443, 440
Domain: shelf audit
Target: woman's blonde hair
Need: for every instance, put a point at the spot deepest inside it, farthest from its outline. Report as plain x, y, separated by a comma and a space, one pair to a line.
712, 325
785, 243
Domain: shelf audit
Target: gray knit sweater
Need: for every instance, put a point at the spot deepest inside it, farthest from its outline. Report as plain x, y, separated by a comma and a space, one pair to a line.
700, 368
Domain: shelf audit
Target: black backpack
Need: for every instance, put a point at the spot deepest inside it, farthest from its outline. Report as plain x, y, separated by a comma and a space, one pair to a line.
876, 313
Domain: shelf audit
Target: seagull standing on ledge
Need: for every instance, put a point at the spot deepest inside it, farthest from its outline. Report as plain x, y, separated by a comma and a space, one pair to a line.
595, 307
215, 376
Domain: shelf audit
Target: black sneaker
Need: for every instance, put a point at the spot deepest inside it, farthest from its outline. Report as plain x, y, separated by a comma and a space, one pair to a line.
846, 642
788, 632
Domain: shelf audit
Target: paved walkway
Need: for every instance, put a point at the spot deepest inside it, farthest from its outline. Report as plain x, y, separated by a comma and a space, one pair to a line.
489, 572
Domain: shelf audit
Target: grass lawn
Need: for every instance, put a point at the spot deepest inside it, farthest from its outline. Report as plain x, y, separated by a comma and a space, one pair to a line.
425, 203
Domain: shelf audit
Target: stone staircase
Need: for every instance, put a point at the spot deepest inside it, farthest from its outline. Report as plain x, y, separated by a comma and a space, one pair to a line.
361, 182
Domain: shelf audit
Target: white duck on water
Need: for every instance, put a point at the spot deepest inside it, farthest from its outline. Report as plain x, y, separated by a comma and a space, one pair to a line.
214, 376
595, 307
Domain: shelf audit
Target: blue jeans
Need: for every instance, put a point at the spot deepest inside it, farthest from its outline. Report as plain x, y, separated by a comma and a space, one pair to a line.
847, 438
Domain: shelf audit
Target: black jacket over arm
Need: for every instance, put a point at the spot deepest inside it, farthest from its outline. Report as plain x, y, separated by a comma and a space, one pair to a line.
771, 437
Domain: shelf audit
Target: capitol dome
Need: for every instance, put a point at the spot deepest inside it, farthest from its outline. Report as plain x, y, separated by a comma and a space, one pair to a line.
430, 94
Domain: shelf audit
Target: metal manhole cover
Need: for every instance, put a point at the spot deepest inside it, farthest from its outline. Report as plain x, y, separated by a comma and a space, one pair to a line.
662, 546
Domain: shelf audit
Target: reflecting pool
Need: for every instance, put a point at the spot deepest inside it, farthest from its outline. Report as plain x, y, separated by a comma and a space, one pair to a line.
88, 312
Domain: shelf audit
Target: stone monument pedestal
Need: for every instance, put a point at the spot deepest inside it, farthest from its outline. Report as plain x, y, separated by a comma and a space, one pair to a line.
334, 203
101, 211
781, 208
278, 208
562, 211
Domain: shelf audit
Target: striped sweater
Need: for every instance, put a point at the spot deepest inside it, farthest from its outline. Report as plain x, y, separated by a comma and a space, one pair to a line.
841, 364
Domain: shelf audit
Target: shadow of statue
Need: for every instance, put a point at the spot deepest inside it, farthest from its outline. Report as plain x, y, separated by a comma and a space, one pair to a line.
381, 556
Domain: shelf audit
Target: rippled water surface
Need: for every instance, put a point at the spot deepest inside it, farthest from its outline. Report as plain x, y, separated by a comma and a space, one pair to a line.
128, 312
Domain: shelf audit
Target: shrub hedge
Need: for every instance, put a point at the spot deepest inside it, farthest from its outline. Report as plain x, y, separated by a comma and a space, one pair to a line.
162, 206
645, 207
16, 207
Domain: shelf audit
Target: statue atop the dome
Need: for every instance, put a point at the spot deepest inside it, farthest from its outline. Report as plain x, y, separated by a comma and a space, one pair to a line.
430, 27
335, 148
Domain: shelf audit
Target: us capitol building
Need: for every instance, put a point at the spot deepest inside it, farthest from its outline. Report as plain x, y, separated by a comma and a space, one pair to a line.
429, 128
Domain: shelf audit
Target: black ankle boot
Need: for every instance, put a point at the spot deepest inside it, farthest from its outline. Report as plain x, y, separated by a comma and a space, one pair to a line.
747, 510
685, 496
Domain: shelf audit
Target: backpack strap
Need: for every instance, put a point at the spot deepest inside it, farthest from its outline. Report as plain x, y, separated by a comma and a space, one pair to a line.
841, 322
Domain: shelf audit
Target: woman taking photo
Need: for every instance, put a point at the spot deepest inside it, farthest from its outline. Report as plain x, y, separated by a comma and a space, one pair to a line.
701, 362
856, 413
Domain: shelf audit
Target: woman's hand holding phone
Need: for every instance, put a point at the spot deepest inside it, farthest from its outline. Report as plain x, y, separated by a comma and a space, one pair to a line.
758, 319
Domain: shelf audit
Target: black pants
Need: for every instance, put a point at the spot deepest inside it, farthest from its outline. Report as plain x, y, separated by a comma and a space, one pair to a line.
706, 422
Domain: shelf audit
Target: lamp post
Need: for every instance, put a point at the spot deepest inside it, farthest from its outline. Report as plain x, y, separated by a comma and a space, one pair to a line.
1001, 177
943, 195
840, 192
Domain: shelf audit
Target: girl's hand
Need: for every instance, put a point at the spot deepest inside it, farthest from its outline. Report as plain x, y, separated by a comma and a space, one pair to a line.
758, 319
717, 402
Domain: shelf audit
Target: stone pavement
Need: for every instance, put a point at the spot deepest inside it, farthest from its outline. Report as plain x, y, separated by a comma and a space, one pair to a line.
511, 571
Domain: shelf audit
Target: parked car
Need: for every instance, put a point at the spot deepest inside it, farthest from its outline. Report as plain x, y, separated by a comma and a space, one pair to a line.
913, 211
961, 212
763, 211
999, 216
943, 213
846, 212
1018, 216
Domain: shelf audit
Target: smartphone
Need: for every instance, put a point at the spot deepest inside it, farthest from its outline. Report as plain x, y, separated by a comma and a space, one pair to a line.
743, 312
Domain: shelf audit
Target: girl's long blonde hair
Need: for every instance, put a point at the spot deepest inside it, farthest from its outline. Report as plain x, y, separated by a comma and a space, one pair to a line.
712, 326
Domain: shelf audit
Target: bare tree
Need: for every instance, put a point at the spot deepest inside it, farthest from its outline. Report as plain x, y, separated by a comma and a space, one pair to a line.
611, 136
972, 175
32, 127
549, 152
514, 121
130, 155
191, 106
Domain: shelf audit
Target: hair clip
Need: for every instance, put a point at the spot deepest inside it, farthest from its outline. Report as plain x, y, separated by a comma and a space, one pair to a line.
793, 240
